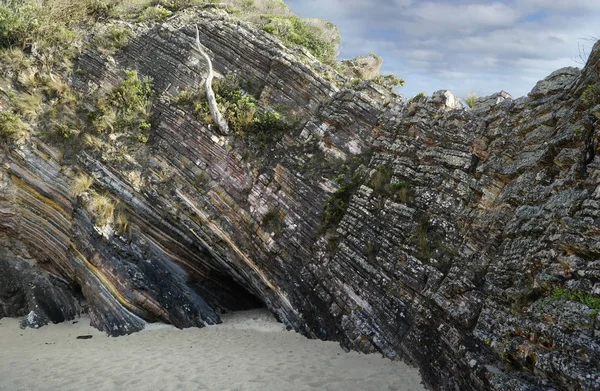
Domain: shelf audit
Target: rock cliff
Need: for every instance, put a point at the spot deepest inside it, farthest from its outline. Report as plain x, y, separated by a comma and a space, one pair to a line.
462, 241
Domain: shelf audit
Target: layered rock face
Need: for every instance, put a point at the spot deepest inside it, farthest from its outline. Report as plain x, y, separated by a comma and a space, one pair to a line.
462, 241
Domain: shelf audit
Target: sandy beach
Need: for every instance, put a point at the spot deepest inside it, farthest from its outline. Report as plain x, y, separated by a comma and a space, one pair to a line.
249, 351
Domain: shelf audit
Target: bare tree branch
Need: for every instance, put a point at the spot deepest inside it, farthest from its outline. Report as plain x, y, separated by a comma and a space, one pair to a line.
216, 115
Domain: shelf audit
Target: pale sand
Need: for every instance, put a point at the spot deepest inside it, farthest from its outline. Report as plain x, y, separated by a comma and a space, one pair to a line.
250, 351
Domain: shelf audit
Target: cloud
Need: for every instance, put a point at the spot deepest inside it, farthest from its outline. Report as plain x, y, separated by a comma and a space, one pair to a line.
463, 45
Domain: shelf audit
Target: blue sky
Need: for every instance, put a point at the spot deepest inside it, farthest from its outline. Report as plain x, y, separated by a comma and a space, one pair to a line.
466, 46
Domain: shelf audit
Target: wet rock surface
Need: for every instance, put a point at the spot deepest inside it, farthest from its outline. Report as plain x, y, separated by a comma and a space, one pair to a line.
464, 241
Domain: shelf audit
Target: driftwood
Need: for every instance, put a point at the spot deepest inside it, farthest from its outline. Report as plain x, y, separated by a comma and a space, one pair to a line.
216, 115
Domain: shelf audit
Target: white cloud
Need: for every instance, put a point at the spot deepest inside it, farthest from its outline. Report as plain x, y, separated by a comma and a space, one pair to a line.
465, 45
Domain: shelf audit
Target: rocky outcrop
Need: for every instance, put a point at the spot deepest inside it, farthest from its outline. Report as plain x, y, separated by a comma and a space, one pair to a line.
462, 241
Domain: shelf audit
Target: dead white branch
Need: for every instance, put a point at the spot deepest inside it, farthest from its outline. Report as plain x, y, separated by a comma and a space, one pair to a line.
216, 115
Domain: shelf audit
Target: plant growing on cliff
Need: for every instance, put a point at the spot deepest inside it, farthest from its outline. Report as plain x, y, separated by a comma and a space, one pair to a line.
380, 180
13, 127
273, 221
471, 100
126, 108
156, 13
402, 190
112, 40
591, 95
27, 104
239, 109
420, 97
390, 81
103, 208
337, 205
293, 31
81, 183
592, 301
121, 223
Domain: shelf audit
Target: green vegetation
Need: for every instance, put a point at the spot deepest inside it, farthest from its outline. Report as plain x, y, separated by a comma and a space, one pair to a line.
380, 181
25, 23
273, 221
127, 108
177, 5
26, 104
112, 40
389, 81
591, 95
293, 31
156, 13
337, 205
403, 190
260, 127
420, 97
588, 299
13, 128
470, 100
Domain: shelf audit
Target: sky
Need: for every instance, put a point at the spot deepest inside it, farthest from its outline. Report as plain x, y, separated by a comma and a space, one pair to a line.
465, 46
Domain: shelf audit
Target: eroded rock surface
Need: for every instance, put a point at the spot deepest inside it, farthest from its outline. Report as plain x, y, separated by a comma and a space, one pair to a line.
460, 237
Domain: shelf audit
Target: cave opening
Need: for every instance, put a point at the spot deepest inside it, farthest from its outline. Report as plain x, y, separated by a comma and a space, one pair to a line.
224, 294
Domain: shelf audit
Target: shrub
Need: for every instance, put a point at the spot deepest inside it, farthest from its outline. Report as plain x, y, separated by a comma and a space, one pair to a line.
389, 81
262, 7
17, 24
81, 183
293, 31
239, 109
23, 23
186, 98
420, 97
127, 107
337, 205
157, 13
13, 127
100, 9
112, 40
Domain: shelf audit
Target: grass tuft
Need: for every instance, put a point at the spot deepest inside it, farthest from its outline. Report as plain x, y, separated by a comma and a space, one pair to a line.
471, 100
121, 223
81, 184
102, 206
